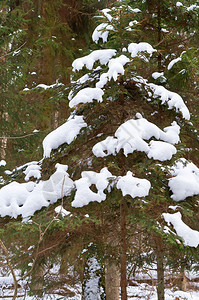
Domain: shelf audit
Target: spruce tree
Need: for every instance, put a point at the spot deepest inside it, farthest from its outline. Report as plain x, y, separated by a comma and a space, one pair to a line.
126, 143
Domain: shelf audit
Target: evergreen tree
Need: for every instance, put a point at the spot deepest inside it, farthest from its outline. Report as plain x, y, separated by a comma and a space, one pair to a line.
126, 144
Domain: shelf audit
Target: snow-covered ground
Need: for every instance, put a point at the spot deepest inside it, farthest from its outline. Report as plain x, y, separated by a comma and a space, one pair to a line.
142, 288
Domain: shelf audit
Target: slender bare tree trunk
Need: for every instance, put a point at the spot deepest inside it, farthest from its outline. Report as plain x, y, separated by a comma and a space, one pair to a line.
160, 268
123, 251
159, 37
3, 146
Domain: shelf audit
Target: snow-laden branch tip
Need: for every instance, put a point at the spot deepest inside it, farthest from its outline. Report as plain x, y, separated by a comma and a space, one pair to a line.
190, 236
131, 136
185, 180
116, 68
172, 99
65, 133
103, 56
87, 95
136, 49
26, 198
128, 184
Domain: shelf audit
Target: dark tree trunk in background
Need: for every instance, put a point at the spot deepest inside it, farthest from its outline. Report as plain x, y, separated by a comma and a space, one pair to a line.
123, 251
160, 268
159, 37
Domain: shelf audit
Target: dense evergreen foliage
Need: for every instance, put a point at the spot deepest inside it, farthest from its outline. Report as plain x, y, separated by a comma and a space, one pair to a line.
124, 233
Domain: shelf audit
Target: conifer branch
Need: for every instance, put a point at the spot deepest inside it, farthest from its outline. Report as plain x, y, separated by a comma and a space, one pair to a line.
41, 236
9, 53
10, 267
16, 137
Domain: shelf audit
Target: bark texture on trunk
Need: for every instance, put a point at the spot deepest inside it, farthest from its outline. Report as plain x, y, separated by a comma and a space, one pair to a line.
112, 279
160, 268
159, 37
123, 251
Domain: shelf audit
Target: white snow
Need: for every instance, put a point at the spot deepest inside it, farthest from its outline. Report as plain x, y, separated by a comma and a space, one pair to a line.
106, 12
161, 150
2, 163
92, 286
135, 48
173, 62
173, 99
102, 32
32, 170
160, 75
84, 195
60, 210
185, 180
116, 68
26, 198
135, 187
190, 236
130, 136
135, 10
178, 4
192, 7
103, 56
86, 95
45, 86
65, 133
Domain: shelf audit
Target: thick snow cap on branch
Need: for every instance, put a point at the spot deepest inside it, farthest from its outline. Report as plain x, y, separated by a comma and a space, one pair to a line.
102, 32
131, 136
172, 99
185, 182
26, 198
65, 133
135, 187
103, 56
87, 95
32, 170
128, 184
135, 49
173, 62
190, 236
84, 195
116, 68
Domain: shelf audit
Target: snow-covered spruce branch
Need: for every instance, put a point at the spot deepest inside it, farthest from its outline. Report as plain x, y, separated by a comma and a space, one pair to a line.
37, 253
42, 234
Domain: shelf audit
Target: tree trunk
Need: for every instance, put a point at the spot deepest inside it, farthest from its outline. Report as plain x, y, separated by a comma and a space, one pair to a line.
159, 38
183, 281
112, 281
123, 251
160, 268
3, 146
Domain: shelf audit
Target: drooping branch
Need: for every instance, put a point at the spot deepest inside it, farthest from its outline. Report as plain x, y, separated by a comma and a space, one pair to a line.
10, 267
